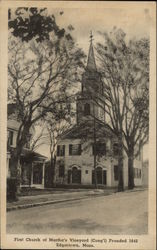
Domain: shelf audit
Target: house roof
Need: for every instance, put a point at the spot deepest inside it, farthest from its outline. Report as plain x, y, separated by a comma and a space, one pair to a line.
30, 154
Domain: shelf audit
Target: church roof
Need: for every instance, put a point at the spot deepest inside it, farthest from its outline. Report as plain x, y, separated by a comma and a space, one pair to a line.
91, 64
86, 130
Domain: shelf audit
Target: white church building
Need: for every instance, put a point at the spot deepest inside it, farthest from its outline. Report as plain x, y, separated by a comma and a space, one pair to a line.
76, 155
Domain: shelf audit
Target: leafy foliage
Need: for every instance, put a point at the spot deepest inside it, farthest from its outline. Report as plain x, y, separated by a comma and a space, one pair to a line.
33, 22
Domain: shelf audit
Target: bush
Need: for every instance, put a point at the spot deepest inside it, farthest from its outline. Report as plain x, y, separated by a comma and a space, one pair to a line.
78, 186
11, 189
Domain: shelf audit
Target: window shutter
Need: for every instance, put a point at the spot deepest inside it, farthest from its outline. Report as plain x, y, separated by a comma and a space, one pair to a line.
61, 170
87, 109
116, 173
70, 149
11, 137
58, 149
63, 150
94, 148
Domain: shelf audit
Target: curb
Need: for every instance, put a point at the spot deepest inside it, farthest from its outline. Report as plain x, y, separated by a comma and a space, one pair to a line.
50, 202
64, 200
135, 190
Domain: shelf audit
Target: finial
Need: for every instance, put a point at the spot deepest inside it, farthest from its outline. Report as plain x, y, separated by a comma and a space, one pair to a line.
91, 37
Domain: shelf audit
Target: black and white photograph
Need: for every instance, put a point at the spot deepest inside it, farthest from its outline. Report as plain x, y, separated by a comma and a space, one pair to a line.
78, 131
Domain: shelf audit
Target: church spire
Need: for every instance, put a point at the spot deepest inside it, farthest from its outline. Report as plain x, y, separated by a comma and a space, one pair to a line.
91, 65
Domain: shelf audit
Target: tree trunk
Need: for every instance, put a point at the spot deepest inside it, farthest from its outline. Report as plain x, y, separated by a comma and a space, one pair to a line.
21, 140
120, 166
30, 174
131, 169
53, 166
16, 169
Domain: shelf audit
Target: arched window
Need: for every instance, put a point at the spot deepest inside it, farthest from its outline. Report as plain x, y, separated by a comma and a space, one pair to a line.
101, 176
87, 109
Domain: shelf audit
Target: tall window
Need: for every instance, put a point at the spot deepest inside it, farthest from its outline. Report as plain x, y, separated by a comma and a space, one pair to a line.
115, 149
10, 138
116, 173
61, 170
99, 148
75, 149
60, 150
87, 109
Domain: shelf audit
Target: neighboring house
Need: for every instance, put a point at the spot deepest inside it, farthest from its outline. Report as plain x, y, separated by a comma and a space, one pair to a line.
145, 173
32, 163
75, 150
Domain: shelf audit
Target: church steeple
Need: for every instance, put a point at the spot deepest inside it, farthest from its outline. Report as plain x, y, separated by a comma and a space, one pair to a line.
92, 91
91, 64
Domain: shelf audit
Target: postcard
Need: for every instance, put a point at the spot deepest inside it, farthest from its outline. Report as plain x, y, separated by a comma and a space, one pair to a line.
78, 125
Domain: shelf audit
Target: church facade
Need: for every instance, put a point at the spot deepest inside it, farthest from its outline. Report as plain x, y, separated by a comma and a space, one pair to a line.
90, 144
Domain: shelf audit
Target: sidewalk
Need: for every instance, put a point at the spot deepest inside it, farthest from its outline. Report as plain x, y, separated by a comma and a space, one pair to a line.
56, 197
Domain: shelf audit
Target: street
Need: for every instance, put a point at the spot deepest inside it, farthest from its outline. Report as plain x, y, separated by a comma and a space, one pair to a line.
119, 213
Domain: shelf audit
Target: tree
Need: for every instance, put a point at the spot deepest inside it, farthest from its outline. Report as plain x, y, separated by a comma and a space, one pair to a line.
136, 120
30, 23
40, 69
55, 127
54, 131
125, 70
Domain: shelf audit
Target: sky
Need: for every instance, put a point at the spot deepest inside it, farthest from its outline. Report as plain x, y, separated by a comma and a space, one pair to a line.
135, 22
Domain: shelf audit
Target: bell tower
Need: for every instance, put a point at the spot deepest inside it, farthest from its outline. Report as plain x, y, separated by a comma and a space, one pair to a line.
90, 102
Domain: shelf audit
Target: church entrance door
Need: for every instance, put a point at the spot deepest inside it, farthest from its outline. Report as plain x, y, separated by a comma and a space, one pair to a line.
76, 176
99, 175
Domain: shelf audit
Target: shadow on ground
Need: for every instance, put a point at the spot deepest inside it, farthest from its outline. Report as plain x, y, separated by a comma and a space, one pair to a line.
80, 226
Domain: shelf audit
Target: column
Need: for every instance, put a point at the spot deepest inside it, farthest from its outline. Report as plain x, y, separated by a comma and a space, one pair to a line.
43, 174
109, 174
32, 175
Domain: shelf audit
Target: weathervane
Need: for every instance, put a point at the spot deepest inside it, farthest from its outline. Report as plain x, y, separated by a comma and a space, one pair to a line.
91, 37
